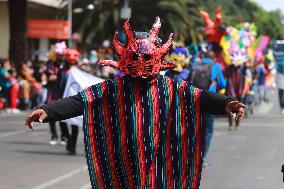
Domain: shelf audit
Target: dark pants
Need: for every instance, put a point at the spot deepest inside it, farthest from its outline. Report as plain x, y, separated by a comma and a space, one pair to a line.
63, 128
35, 101
6, 95
208, 123
72, 137
281, 97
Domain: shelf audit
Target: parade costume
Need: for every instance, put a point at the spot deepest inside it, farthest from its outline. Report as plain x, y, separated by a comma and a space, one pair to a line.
71, 59
54, 69
214, 30
142, 130
180, 57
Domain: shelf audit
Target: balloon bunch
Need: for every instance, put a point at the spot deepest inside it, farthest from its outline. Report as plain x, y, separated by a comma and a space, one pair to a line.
239, 44
242, 42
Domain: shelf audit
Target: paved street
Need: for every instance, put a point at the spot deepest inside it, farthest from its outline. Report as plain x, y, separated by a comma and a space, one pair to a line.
249, 158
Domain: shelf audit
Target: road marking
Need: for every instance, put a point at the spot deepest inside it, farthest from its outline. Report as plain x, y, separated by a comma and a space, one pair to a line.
264, 108
5, 114
251, 124
11, 133
259, 178
7, 134
86, 186
60, 178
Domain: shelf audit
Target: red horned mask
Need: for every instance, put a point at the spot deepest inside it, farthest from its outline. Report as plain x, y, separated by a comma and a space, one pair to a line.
72, 56
140, 57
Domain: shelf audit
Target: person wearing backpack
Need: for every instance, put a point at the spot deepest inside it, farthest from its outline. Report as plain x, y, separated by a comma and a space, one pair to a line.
207, 75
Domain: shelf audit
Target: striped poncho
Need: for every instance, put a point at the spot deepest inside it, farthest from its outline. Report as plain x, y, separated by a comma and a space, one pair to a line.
143, 134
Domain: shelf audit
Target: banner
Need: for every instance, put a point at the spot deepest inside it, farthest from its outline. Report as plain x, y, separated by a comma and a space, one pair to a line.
77, 81
53, 29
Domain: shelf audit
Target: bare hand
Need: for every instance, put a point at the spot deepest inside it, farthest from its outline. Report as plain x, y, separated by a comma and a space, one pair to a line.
36, 115
52, 77
236, 109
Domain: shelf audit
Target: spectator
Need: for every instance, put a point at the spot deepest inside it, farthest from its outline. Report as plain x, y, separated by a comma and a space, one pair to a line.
5, 82
208, 76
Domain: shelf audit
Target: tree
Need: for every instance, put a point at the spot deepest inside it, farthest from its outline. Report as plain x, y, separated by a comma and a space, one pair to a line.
235, 11
179, 17
18, 49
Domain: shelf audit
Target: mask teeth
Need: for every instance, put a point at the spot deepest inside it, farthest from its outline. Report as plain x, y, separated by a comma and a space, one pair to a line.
148, 69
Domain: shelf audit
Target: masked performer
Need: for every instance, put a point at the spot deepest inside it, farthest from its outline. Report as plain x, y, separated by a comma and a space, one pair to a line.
235, 80
71, 59
180, 57
142, 130
54, 69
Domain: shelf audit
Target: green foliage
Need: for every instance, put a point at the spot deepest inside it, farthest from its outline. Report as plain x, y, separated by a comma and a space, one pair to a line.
235, 11
178, 16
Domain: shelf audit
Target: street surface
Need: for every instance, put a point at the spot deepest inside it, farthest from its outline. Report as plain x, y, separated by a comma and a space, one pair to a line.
250, 158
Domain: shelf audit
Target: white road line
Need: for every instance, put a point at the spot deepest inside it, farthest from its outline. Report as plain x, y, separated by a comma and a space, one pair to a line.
28, 131
264, 108
60, 178
5, 114
251, 124
11, 133
86, 186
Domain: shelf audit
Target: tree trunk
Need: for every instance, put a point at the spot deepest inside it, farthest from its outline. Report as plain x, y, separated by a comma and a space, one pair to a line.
18, 47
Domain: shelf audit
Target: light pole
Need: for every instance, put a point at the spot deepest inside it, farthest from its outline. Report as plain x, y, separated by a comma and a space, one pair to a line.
70, 23
125, 11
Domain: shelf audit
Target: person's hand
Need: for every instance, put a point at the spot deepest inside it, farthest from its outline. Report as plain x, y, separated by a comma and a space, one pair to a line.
235, 109
52, 77
36, 115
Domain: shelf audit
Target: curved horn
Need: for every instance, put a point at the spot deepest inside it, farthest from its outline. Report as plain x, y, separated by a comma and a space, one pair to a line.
128, 32
166, 47
155, 30
117, 45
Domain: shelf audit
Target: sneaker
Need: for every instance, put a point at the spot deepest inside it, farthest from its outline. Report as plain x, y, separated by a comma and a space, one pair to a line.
8, 110
53, 141
206, 164
282, 111
15, 111
63, 142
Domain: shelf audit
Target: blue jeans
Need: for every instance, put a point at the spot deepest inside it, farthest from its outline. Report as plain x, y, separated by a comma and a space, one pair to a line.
208, 123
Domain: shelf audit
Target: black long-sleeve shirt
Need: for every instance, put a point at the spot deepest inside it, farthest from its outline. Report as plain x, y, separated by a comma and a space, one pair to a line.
72, 106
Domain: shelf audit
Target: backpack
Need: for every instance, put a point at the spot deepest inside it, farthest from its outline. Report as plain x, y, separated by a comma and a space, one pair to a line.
200, 76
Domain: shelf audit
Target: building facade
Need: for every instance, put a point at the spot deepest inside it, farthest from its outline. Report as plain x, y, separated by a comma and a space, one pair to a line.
37, 9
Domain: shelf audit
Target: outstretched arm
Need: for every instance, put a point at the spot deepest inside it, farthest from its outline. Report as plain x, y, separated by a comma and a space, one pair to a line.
60, 110
218, 104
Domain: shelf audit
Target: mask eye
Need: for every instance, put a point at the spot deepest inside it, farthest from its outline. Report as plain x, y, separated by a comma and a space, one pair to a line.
134, 56
146, 57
